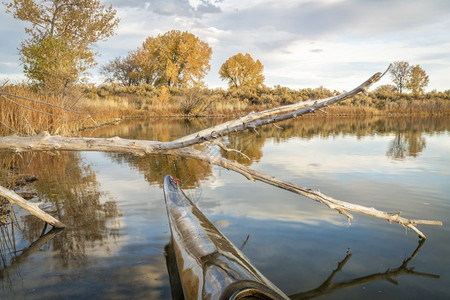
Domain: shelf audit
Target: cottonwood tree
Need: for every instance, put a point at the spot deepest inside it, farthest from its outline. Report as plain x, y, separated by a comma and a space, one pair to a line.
400, 71
61, 36
174, 59
242, 71
418, 80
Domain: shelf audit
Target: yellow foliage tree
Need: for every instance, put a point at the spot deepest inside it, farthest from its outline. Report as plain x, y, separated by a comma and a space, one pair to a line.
242, 71
418, 80
174, 59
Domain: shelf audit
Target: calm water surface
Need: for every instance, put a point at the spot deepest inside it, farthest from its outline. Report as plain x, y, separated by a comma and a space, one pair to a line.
114, 246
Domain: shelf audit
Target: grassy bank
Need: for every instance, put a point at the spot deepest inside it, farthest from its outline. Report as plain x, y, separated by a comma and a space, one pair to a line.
150, 101
26, 112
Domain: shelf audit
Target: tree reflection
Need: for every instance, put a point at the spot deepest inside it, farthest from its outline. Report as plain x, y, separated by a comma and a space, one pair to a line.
155, 167
164, 129
70, 192
406, 144
329, 287
409, 140
35, 246
249, 142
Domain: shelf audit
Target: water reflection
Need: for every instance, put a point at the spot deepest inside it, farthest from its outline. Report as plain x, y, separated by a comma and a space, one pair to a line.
155, 167
249, 142
105, 254
69, 190
23, 254
408, 140
406, 144
163, 129
329, 287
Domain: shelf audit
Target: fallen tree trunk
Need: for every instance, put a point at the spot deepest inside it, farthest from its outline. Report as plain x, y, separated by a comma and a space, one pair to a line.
46, 142
32, 208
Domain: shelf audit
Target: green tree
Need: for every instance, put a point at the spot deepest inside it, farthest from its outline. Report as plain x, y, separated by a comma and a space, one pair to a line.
175, 58
72, 26
418, 80
51, 63
400, 71
242, 71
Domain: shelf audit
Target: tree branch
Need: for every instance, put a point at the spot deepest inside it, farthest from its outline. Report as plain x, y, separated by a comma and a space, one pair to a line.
33, 208
46, 142
341, 206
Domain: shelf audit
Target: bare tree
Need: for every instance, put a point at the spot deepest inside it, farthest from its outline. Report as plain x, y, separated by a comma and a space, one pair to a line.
400, 71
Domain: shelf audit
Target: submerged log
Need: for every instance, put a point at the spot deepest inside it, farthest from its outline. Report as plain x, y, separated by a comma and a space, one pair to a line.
342, 207
209, 265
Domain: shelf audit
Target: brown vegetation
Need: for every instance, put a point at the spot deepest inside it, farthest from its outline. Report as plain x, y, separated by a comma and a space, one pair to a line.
218, 102
94, 106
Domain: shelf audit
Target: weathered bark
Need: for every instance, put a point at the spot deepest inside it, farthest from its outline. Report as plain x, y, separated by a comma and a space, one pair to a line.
33, 208
46, 142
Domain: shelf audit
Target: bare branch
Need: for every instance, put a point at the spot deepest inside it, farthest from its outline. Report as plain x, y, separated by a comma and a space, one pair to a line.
341, 206
226, 149
329, 287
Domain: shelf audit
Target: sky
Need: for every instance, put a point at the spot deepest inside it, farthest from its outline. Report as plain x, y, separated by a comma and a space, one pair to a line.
301, 43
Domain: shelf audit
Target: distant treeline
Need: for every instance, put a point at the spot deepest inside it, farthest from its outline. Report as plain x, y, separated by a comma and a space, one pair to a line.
203, 101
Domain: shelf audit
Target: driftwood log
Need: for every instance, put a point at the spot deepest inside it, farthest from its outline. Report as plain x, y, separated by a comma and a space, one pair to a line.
180, 147
32, 208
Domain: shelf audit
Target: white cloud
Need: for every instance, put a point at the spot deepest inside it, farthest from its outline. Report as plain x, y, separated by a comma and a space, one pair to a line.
334, 43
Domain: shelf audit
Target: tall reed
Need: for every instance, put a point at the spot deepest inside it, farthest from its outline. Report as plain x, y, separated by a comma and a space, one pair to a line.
23, 116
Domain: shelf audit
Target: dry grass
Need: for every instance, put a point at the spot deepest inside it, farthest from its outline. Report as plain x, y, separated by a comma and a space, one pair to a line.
105, 105
22, 116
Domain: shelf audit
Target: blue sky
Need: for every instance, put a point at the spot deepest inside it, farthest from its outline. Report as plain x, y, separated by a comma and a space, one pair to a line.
332, 43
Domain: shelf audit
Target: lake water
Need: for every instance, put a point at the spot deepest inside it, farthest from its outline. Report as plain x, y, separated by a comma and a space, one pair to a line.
113, 205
